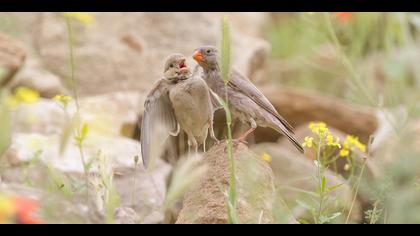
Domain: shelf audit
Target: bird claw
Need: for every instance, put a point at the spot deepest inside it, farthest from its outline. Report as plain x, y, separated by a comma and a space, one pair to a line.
217, 142
238, 141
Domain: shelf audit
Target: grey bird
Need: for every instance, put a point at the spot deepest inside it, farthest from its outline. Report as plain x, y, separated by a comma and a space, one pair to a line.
178, 101
246, 102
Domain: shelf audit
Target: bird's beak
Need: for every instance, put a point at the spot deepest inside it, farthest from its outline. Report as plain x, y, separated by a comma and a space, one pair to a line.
198, 56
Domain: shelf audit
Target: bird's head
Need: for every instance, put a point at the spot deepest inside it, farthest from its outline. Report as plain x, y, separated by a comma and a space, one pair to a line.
206, 56
176, 66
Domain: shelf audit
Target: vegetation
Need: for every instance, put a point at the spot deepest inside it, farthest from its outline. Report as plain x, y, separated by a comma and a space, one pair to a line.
366, 60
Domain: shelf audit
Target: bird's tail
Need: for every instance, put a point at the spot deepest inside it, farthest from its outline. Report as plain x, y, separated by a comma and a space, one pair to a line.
281, 129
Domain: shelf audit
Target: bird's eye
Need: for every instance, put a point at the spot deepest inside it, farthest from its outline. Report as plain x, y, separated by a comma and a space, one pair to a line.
208, 51
171, 65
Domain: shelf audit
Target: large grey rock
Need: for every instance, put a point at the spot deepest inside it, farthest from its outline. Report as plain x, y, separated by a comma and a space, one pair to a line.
105, 114
12, 57
34, 76
125, 51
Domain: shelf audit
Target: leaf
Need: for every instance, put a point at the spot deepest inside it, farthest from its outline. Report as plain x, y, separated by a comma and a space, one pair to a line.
329, 189
303, 222
306, 206
84, 131
323, 184
326, 219
65, 136
59, 181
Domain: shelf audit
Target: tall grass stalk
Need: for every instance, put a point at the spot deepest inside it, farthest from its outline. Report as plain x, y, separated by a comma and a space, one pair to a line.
80, 132
359, 179
225, 61
321, 182
355, 78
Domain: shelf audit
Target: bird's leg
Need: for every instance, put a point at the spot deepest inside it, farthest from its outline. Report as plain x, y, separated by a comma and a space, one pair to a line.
195, 146
248, 132
189, 147
212, 135
192, 142
245, 135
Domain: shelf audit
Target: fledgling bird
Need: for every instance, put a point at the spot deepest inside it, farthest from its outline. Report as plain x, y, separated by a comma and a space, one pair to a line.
178, 101
246, 102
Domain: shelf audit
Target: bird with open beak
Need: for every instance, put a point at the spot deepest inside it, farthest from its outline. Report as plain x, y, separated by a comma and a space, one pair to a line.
178, 101
247, 104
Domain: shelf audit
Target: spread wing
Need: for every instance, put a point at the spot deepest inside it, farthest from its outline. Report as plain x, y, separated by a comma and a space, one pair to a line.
158, 120
243, 85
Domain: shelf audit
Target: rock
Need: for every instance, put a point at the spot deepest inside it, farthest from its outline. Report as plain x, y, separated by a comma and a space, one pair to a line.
25, 145
206, 203
250, 23
295, 178
142, 190
12, 57
44, 117
36, 141
299, 107
137, 44
33, 76
126, 215
99, 112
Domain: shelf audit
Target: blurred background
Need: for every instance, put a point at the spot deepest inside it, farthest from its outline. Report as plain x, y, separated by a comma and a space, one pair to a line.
357, 72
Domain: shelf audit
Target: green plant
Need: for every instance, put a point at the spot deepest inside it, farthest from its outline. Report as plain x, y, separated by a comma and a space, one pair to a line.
324, 143
81, 130
225, 62
107, 198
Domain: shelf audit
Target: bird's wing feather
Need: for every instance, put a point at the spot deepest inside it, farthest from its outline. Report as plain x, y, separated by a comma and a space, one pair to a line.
214, 98
215, 101
241, 84
158, 119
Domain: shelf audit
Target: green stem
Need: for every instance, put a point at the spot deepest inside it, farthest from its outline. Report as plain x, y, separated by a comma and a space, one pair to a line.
76, 98
225, 74
357, 190
320, 177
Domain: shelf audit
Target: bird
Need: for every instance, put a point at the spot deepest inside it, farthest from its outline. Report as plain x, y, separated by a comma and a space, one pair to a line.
178, 101
246, 103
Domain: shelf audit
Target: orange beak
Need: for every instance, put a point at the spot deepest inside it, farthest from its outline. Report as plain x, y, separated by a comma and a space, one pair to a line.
198, 56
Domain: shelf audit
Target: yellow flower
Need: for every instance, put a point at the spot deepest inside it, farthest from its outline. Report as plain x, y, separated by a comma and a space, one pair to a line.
266, 157
319, 128
23, 95
308, 142
62, 99
82, 17
331, 142
7, 210
353, 142
344, 153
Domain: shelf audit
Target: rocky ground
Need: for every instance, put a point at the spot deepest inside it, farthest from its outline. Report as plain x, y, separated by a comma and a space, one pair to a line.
117, 60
